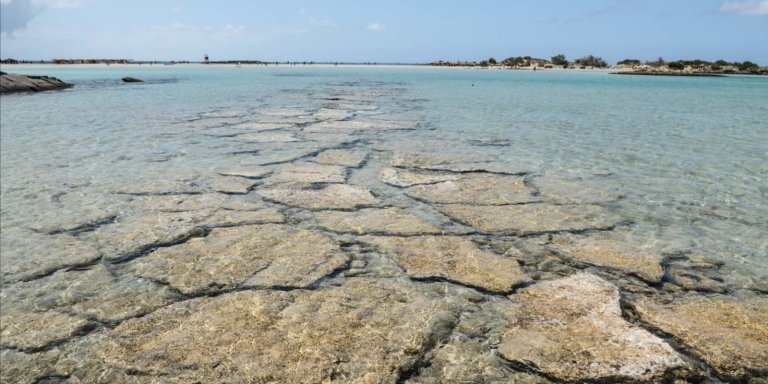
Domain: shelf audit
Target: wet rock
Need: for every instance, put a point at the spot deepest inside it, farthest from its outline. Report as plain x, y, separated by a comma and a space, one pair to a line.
278, 156
93, 293
452, 258
282, 111
26, 368
333, 334
607, 253
406, 178
565, 191
535, 218
268, 137
257, 126
132, 235
350, 126
267, 255
181, 203
393, 221
210, 125
320, 196
343, 157
231, 185
309, 173
11, 83
468, 361
729, 334
159, 187
331, 114
572, 330
222, 114
452, 163
34, 331
129, 79
27, 255
252, 172
483, 189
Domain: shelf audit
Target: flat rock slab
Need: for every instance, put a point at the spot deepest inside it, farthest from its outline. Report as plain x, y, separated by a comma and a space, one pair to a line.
10, 83
93, 293
478, 189
34, 331
268, 137
320, 196
340, 126
339, 334
266, 256
231, 185
453, 258
531, 218
406, 178
729, 335
452, 163
252, 172
160, 187
571, 329
343, 157
28, 255
607, 253
308, 173
393, 221
567, 191
134, 234
207, 201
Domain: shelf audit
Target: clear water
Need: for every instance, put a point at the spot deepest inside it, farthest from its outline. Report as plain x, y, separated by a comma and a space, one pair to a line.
688, 155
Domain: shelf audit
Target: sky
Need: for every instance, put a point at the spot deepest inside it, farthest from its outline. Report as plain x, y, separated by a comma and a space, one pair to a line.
391, 31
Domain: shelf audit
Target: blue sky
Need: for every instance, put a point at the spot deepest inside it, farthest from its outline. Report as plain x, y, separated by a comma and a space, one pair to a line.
384, 31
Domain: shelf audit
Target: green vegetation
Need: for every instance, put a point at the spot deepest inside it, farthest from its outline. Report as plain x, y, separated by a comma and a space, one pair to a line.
592, 61
559, 60
629, 62
492, 61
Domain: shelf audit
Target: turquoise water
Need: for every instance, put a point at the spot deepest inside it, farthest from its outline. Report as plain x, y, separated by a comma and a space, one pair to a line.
688, 157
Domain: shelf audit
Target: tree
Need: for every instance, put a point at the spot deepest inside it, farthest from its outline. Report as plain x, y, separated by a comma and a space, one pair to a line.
678, 65
559, 60
747, 66
629, 62
492, 61
592, 61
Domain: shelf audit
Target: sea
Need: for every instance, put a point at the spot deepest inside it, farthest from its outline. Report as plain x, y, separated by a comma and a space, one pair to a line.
685, 158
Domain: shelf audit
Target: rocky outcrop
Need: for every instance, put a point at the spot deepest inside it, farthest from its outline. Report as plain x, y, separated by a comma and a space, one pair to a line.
129, 79
13, 83
572, 330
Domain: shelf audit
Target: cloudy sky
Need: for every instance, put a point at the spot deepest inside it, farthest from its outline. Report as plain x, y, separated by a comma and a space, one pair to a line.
384, 31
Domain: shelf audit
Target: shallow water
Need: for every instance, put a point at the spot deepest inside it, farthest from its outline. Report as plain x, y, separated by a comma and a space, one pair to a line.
129, 209
687, 155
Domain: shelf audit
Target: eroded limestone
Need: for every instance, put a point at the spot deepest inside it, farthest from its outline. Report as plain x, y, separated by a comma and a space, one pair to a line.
308, 173
252, 172
729, 335
484, 189
320, 196
343, 157
333, 334
394, 221
571, 329
267, 255
34, 331
453, 258
602, 252
531, 218
406, 178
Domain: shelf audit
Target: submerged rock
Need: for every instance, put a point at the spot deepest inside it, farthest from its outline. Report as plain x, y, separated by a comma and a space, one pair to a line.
231, 185
344, 157
93, 293
11, 83
572, 330
452, 258
393, 221
729, 335
320, 196
252, 172
476, 189
309, 173
452, 163
333, 334
34, 331
611, 254
28, 255
406, 178
532, 218
265, 256
566, 191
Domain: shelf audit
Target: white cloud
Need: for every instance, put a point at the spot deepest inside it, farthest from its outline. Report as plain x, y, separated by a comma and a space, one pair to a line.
376, 27
745, 7
15, 14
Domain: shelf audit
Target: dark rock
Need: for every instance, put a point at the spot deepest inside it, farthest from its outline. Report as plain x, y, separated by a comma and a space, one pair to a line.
12, 83
129, 79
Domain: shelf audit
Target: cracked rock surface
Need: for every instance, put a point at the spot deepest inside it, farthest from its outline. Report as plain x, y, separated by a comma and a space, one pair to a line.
333, 233
571, 329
